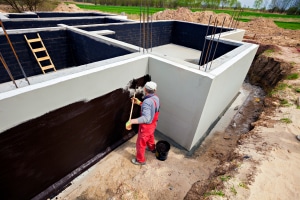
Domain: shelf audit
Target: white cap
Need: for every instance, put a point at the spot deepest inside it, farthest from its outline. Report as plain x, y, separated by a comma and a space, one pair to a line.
150, 85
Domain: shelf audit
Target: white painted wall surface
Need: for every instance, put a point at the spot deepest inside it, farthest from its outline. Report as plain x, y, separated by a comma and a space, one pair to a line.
225, 85
23, 104
236, 35
183, 92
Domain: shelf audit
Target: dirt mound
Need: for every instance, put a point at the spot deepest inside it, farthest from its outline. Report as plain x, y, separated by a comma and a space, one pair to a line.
262, 23
62, 7
184, 14
259, 30
265, 31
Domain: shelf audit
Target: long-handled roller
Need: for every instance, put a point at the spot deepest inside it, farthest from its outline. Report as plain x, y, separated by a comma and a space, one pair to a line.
129, 127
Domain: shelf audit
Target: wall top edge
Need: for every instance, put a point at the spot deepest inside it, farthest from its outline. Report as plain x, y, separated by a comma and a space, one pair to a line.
86, 69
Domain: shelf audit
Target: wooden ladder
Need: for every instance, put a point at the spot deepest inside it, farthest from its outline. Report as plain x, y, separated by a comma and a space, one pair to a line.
39, 51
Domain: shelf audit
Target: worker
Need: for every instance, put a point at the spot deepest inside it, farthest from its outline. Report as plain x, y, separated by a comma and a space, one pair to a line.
147, 122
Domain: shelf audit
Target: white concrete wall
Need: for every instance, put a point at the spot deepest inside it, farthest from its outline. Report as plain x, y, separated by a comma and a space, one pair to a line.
23, 104
226, 83
183, 92
236, 35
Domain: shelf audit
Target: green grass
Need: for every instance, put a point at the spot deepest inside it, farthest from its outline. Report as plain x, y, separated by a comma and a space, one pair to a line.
297, 90
280, 86
288, 25
293, 76
233, 190
225, 178
243, 185
268, 52
244, 16
284, 102
286, 120
215, 192
298, 107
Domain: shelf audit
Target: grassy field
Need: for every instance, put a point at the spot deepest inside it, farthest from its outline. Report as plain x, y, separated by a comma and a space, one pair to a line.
282, 20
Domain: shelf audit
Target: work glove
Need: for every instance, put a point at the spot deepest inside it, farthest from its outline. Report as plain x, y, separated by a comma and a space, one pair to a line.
136, 101
128, 125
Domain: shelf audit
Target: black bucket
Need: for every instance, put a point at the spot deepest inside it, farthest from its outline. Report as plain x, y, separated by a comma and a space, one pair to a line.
162, 150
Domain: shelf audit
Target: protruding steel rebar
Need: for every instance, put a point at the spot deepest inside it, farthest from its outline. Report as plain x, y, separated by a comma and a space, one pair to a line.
238, 18
12, 47
140, 27
217, 43
151, 31
7, 69
231, 20
148, 29
208, 25
210, 42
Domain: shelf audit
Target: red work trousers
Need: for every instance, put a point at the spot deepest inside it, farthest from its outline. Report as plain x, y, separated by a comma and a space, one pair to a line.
145, 138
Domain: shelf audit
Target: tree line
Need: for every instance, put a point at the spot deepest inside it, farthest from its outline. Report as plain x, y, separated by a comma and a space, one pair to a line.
281, 6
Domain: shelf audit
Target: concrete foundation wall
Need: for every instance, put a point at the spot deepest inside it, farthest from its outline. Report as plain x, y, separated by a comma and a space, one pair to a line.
190, 34
86, 49
130, 32
65, 47
52, 22
26, 103
183, 94
226, 83
236, 35
56, 42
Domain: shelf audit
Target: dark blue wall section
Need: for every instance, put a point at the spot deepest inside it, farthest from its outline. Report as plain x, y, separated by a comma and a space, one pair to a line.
222, 48
193, 36
38, 23
66, 49
130, 33
86, 50
56, 42
68, 14
22, 15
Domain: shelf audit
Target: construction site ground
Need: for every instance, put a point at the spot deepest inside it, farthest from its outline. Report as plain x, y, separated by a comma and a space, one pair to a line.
252, 153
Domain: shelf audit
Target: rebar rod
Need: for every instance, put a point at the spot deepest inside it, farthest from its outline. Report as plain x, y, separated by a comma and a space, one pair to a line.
151, 32
7, 69
208, 25
208, 46
144, 30
211, 41
140, 27
12, 47
217, 43
238, 19
232, 20
148, 38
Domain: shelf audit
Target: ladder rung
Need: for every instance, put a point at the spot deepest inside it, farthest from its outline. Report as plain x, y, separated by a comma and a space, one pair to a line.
39, 49
48, 67
34, 40
43, 58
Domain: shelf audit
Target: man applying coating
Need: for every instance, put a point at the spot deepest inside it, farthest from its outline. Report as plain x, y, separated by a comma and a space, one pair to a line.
147, 122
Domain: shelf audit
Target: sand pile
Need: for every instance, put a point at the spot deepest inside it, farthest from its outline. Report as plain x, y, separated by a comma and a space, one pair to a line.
62, 7
261, 30
184, 14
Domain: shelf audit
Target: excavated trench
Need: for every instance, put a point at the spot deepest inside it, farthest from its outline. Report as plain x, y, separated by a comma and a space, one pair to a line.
265, 72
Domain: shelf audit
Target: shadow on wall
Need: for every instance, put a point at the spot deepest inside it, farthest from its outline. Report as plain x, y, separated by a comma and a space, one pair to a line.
39, 153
